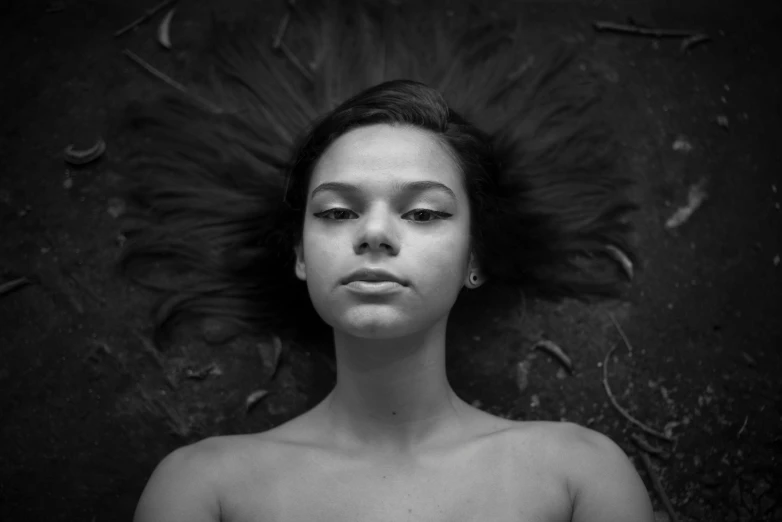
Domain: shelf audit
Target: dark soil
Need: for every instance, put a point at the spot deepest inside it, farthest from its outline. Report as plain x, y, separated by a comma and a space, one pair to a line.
87, 409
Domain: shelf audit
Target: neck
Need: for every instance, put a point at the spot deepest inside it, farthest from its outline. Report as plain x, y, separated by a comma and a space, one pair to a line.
392, 395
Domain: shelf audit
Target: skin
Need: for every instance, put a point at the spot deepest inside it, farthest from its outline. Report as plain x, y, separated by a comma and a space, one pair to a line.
392, 393
392, 401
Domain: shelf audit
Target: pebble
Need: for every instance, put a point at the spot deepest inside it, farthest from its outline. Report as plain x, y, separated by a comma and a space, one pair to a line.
216, 332
116, 207
522, 375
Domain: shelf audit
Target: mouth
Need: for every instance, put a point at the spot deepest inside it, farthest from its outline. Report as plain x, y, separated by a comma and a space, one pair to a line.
374, 278
374, 287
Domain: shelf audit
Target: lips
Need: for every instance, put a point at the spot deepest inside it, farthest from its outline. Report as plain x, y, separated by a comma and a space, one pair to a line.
373, 275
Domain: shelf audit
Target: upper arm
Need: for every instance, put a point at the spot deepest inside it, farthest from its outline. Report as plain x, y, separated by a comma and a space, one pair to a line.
180, 489
605, 485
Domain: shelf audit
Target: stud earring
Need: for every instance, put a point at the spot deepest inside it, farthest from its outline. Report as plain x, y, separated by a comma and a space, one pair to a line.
473, 278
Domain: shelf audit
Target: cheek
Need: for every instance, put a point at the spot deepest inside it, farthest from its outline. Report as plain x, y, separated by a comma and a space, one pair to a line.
444, 260
319, 255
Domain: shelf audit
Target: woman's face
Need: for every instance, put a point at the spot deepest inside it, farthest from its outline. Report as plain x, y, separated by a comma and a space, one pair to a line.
365, 211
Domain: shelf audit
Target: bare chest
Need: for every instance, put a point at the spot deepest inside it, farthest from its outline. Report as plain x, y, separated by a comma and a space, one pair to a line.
478, 483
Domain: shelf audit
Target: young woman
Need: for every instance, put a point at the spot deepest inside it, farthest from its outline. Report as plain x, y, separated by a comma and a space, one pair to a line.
354, 200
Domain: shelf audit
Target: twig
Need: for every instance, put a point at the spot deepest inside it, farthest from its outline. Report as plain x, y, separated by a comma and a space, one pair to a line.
277, 345
292, 57
693, 41
622, 333
621, 410
155, 72
645, 446
658, 487
279, 45
10, 286
695, 198
82, 157
164, 29
254, 398
634, 29
742, 427
170, 81
621, 258
281, 30
556, 351
147, 15
149, 348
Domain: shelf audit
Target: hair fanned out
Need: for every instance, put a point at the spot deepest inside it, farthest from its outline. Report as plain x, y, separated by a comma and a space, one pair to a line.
208, 227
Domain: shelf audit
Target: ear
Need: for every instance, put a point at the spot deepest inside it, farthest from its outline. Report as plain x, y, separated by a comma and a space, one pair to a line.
299, 267
474, 268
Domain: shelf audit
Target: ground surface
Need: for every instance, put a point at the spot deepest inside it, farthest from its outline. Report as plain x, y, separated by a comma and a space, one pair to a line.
86, 411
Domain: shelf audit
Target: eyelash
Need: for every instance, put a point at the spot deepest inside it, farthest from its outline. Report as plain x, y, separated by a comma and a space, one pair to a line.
437, 215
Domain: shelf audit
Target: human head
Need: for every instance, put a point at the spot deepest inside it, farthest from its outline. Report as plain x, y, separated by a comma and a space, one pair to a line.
407, 126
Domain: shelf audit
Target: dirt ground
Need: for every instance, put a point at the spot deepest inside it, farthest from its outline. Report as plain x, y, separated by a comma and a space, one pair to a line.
87, 408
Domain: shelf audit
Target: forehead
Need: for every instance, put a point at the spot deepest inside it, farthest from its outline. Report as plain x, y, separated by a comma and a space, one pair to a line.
382, 153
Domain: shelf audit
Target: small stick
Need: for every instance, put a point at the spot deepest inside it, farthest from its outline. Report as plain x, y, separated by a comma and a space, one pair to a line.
150, 13
621, 410
277, 343
695, 198
693, 41
281, 30
254, 398
622, 333
170, 81
557, 352
292, 57
279, 45
644, 445
13, 284
622, 259
658, 487
164, 29
742, 427
632, 29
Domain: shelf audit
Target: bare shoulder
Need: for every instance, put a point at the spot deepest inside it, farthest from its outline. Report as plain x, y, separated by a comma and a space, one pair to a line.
553, 441
566, 440
187, 483
601, 480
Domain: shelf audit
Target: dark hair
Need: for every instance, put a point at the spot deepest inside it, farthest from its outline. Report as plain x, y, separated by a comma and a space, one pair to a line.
402, 103
216, 197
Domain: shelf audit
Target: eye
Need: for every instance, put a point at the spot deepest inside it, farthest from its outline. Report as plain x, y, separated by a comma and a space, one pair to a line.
337, 213
421, 215
428, 215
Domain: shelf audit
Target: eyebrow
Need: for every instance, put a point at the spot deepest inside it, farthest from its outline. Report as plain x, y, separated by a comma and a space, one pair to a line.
401, 187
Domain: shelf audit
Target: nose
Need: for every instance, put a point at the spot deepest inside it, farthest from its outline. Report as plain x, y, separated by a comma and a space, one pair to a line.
377, 233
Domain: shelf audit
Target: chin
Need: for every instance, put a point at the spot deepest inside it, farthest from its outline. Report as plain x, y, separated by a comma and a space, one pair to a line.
375, 324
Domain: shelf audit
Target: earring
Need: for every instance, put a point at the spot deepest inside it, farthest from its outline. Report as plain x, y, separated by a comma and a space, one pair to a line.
474, 278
